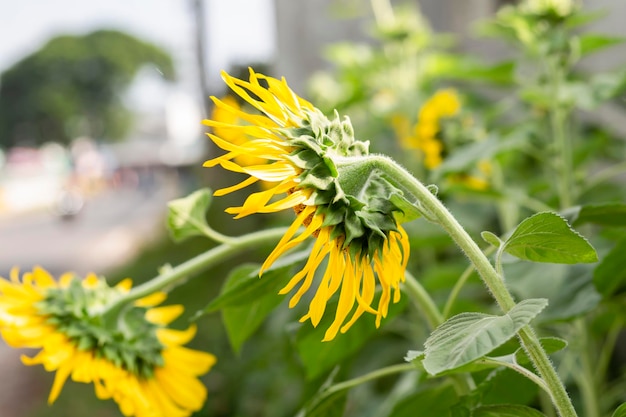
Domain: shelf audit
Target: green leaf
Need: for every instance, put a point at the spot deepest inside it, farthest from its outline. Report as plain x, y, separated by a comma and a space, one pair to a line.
506, 410
187, 216
318, 357
432, 401
549, 344
241, 322
248, 288
593, 42
547, 237
491, 238
469, 336
621, 411
610, 214
609, 276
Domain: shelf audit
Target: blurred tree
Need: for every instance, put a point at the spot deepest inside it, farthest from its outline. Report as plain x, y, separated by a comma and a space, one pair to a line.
73, 86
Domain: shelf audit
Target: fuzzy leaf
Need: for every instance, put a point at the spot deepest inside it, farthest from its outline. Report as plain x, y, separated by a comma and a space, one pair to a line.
547, 237
469, 336
490, 238
187, 216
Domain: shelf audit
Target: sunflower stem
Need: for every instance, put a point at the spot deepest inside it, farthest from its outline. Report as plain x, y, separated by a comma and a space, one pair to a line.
172, 276
423, 301
379, 373
425, 201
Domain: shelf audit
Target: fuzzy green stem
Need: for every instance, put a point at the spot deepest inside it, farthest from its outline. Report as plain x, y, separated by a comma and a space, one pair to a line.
217, 236
423, 300
607, 349
454, 294
463, 383
379, 373
562, 142
507, 209
418, 194
585, 379
194, 265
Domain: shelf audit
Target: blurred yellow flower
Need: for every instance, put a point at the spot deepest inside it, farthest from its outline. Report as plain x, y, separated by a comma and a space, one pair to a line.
300, 145
142, 366
423, 136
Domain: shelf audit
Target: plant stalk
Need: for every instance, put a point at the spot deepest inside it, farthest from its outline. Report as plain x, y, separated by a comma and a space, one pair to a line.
194, 265
437, 212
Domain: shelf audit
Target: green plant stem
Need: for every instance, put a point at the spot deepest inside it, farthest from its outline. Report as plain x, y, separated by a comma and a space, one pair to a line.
454, 294
562, 142
423, 301
607, 349
507, 209
379, 373
463, 383
217, 236
585, 379
434, 210
194, 265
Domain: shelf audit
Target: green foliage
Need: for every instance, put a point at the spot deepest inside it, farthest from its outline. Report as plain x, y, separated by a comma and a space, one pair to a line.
610, 275
187, 216
517, 163
319, 357
241, 321
73, 86
244, 288
546, 237
469, 336
436, 399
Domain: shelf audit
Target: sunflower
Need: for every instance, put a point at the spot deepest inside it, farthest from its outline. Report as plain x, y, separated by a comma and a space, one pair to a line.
350, 218
136, 361
444, 103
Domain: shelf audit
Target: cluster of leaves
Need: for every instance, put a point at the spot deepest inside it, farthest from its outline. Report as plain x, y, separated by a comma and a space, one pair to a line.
73, 86
544, 192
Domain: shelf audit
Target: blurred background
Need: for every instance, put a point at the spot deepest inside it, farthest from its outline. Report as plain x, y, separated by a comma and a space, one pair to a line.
100, 110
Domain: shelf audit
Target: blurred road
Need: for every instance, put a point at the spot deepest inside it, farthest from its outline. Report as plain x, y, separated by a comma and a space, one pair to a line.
108, 231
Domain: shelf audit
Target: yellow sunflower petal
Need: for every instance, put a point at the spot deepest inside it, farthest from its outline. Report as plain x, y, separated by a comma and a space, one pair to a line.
170, 337
152, 299
164, 315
